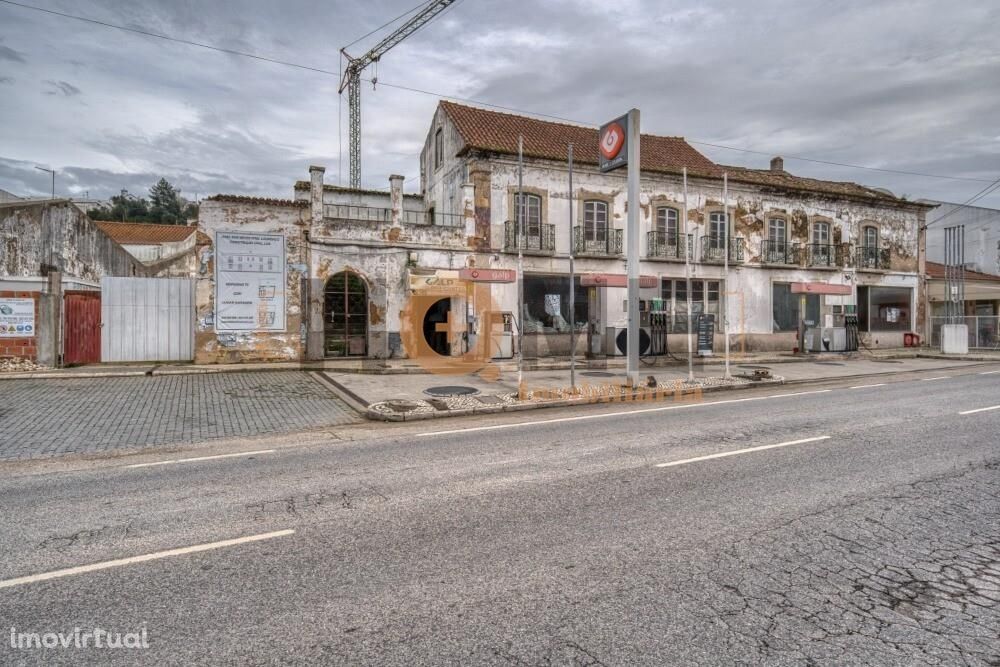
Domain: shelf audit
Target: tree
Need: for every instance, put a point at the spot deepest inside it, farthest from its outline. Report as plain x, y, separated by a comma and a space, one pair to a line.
165, 203
124, 208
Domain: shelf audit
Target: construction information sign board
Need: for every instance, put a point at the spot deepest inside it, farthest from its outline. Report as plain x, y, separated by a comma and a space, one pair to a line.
249, 282
17, 318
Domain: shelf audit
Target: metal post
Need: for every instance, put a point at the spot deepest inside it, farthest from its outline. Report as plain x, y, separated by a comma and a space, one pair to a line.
687, 279
725, 267
519, 227
53, 173
572, 283
632, 257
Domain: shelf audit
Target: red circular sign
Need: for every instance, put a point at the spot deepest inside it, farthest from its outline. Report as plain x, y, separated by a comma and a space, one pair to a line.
612, 140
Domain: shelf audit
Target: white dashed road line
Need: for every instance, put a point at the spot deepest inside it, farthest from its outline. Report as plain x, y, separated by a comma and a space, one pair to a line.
989, 372
972, 412
94, 567
200, 458
868, 386
940, 377
742, 451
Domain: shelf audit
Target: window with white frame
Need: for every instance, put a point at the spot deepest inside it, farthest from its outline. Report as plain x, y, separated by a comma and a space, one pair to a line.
531, 212
821, 233
595, 220
869, 237
717, 230
777, 230
667, 221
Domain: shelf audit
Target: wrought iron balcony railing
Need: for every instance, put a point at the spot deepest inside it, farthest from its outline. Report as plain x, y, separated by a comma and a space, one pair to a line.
826, 254
871, 257
599, 242
779, 252
538, 239
666, 245
713, 249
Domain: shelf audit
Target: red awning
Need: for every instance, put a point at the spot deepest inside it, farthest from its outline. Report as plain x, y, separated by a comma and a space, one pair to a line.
488, 275
614, 280
821, 288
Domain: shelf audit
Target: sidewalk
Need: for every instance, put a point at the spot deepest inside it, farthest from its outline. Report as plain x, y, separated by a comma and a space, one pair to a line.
423, 396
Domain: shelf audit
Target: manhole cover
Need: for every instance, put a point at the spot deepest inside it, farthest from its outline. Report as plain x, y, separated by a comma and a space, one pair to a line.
598, 374
451, 390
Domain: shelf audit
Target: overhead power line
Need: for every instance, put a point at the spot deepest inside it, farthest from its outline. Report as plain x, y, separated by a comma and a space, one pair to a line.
989, 189
320, 70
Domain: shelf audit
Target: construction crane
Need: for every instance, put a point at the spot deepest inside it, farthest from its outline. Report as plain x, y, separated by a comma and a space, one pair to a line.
352, 75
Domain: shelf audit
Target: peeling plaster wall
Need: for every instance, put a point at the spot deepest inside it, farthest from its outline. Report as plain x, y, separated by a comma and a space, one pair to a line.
39, 237
213, 347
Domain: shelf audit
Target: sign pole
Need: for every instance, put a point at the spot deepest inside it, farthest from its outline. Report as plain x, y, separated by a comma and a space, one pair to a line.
725, 269
572, 283
687, 278
519, 224
632, 257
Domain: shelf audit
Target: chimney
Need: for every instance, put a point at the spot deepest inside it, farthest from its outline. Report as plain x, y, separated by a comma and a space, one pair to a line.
396, 199
777, 164
316, 193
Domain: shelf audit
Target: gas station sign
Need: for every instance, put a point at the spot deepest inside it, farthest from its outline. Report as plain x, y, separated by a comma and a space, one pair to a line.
613, 144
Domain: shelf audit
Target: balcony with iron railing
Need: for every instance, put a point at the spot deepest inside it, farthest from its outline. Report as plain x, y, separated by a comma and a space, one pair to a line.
669, 246
598, 243
536, 239
826, 255
871, 258
380, 214
713, 249
780, 252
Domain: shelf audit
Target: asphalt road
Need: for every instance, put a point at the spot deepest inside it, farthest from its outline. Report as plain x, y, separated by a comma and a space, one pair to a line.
548, 537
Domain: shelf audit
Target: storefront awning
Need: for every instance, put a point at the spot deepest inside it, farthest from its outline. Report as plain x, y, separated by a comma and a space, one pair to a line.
614, 280
488, 275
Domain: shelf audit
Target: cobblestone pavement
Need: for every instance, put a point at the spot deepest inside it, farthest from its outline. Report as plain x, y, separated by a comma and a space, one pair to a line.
45, 418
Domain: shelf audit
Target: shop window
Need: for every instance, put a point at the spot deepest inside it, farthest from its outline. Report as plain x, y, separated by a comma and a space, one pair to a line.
785, 308
705, 296
546, 304
889, 308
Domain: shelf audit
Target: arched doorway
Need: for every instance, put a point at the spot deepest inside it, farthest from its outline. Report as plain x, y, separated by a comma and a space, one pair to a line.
436, 323
345, 316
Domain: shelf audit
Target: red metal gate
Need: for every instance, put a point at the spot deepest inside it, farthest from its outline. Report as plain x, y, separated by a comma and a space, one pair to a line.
82, 329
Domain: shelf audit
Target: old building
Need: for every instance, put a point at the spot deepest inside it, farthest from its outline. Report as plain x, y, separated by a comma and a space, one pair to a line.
354, 258
168, 251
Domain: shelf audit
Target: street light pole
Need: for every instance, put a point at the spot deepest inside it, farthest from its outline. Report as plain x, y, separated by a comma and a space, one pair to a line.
53, 172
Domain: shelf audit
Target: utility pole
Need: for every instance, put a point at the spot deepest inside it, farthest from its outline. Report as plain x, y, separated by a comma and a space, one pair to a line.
687, 279
632, 257
519, 224
53, 172
725, 268
572, 283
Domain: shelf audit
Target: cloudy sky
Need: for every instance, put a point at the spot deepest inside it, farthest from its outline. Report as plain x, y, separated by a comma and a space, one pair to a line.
908, 85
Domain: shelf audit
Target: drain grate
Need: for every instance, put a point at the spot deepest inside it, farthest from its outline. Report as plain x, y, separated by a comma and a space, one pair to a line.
451, 390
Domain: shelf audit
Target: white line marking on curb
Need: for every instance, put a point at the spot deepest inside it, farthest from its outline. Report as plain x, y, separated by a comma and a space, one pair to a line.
742, 451
867, 386
940, 377
82, 569
972, 412
605, 415
199, 458
989, 372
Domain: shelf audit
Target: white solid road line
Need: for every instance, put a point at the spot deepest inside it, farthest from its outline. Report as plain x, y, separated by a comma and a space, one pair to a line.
940, 377
82, 569
742, 451
605, 415
972, 412
199, 458
866, 386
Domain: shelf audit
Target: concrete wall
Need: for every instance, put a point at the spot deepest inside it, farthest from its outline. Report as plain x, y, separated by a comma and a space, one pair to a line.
289, 219
982, 235
40, 237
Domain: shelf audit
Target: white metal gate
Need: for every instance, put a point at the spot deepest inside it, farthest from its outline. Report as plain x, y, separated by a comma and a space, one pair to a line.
147, 319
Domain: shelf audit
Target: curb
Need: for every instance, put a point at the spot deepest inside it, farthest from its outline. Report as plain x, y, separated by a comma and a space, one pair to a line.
372, 415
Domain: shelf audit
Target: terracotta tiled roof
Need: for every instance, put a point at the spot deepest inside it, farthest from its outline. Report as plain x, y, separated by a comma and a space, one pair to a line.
935, 270
203, 238
784, 180
497, 132
143, 233
243, 199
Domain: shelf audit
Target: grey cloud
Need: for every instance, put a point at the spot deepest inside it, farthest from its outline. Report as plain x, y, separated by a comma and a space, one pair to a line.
6, 79
7, 53
62, 88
